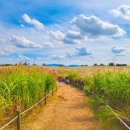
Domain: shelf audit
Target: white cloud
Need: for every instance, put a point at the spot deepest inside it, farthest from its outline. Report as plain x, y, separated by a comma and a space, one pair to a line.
56, 57
122, 11
2, 52
74, 35
85, 28
119, 51
41, 58
57, 35
33, 39
22, 42
94, 27
33, 22
48, 44
80, 52
24, 57
67, 40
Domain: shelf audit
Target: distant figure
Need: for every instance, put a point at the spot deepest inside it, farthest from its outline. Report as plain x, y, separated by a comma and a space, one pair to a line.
59, 80
67, 81
53, 70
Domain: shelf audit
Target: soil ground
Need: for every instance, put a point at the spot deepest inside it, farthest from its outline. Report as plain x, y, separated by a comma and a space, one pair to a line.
67, 110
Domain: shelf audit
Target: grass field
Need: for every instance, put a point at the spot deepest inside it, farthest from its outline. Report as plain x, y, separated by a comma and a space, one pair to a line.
21, 87
111, 85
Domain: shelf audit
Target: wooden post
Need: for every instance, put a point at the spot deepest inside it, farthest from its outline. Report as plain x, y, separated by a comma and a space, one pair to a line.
52, 91
45, 98
56, 87
18, 120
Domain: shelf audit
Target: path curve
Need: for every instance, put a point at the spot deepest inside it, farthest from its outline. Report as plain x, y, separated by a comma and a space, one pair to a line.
68, 111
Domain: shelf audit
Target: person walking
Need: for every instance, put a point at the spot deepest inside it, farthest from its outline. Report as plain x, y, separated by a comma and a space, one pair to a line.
59, 81
67, 81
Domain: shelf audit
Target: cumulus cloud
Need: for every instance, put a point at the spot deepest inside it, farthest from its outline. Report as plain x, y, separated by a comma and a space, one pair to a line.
2, 52
67, 40
57, 35
94, 27
119, 51
40, 58
24, 57
48, 44
22, 42
122, 11
86, 28
56, 57
72, 37
33, 22
80, 52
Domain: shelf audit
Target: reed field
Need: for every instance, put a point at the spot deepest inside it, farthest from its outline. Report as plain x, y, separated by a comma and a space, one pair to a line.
22, 87
105, 86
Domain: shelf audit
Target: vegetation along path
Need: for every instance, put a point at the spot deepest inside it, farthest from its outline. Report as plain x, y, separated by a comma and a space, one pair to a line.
68, 111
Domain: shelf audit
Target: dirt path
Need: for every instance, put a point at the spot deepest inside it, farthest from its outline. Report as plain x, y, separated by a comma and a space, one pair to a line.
68, 111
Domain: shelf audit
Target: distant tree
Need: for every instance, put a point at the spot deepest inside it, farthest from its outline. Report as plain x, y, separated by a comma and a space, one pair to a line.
83, 65
101, 64
124, 64
6, 64
25, 63
61, 65
44, 64
95, 64
121, 64
35, 64
111, 64
118, 65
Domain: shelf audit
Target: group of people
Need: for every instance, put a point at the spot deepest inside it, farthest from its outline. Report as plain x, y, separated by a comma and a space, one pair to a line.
60, 79
66, 80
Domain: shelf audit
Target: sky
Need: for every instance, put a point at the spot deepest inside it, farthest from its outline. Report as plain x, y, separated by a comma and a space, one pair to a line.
66, 32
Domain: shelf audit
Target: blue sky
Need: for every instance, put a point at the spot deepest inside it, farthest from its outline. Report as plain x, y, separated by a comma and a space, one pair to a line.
69, 31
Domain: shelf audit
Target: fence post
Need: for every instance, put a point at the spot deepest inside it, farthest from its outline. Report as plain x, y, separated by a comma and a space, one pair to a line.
45, 98
18, 120
52, 91
56, 87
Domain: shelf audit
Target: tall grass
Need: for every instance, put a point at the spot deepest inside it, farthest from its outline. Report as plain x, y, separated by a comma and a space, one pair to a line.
22, 87
113, 87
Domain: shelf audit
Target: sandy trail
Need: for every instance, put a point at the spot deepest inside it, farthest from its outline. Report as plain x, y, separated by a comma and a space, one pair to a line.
68, 111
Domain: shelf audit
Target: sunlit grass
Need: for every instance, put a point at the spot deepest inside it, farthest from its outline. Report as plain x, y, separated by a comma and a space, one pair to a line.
111, 85
21, 87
